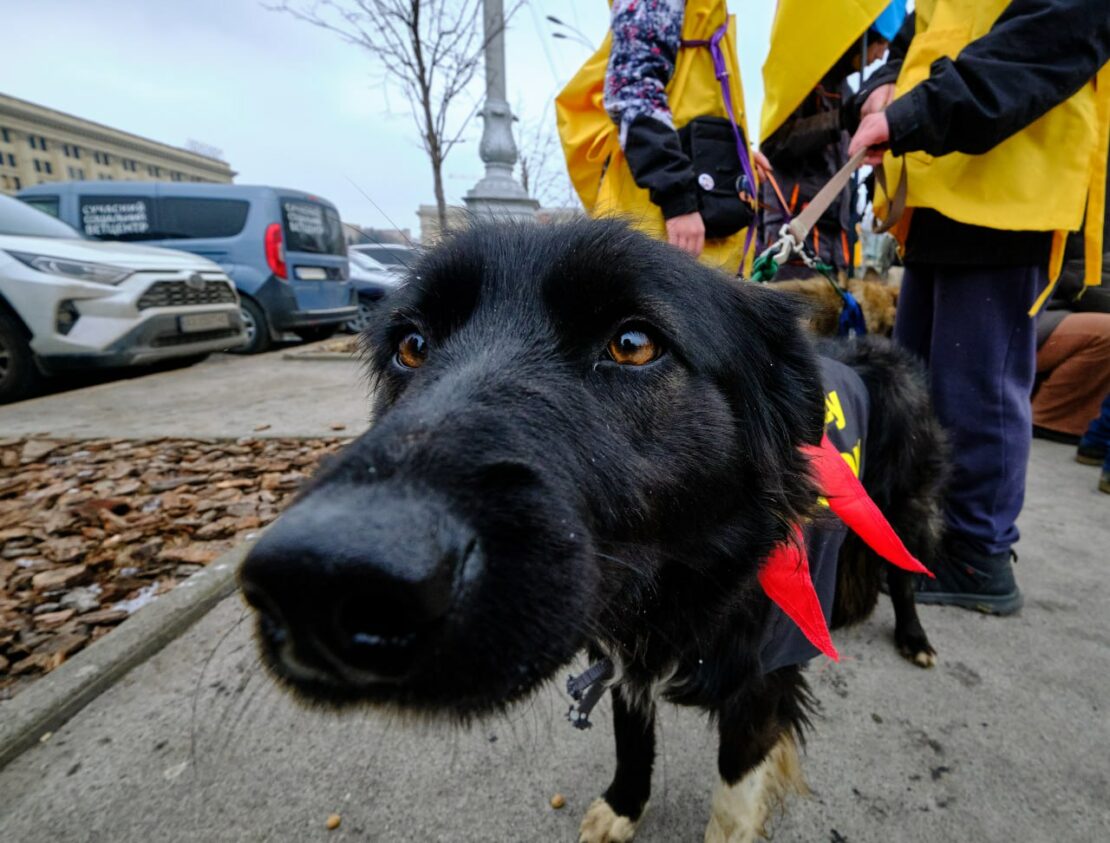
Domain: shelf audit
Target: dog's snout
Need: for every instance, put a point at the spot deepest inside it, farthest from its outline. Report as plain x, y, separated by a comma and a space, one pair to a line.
355, 583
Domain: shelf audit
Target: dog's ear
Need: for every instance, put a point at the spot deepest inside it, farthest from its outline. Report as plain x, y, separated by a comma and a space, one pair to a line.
769, 370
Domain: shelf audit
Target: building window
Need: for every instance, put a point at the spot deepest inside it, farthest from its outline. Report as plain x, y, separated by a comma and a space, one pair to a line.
153, 170
18, 183
65, 150
6, 135
37, 142
47, 167
38, 166
11, 160
76, 172
101, 158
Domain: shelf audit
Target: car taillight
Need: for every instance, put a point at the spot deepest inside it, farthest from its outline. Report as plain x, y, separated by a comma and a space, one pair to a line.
275, 251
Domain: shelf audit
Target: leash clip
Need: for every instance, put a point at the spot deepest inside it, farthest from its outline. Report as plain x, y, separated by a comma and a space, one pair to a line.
586, 689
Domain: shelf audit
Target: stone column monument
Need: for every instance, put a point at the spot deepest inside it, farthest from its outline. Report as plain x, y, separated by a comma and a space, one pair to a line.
498, 194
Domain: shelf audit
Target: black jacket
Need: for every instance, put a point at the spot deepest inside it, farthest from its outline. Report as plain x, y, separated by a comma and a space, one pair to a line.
1038, 54
806, 151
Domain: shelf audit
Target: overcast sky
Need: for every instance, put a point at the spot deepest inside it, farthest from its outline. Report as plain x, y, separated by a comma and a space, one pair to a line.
288, 104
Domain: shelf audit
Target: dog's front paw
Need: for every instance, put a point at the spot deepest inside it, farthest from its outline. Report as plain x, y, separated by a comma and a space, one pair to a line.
604, 825
916, 648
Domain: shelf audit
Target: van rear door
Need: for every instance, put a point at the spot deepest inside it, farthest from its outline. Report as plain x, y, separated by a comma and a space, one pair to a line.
315, 253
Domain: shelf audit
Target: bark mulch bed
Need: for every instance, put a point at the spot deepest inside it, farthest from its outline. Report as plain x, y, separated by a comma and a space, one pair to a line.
92, 530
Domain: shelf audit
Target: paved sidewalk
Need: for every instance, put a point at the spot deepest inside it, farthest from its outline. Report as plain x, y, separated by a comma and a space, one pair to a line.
1006, 740
225, 396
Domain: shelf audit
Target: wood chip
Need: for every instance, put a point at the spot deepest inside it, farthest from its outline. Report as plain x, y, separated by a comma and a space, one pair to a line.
58, 578
87, 524
36, 449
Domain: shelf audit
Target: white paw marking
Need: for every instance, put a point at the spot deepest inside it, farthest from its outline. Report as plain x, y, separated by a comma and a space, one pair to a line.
603, 825
925, 659
741, 810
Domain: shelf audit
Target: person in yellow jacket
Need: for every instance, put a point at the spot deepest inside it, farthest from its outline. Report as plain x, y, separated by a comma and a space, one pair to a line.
651, 134
996, 115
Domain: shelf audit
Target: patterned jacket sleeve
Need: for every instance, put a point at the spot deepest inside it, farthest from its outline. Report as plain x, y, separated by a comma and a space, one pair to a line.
647, 36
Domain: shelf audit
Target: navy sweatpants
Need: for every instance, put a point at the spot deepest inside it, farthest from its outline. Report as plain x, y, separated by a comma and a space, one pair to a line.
971, 326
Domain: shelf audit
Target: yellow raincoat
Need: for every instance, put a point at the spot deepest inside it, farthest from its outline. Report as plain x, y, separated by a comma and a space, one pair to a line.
808, 38
590, 138
1039, 179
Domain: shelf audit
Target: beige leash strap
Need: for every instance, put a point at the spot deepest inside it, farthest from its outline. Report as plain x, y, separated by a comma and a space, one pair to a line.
802, 224
896, 203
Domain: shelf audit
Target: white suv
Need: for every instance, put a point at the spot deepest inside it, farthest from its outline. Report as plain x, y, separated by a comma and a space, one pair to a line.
68, 303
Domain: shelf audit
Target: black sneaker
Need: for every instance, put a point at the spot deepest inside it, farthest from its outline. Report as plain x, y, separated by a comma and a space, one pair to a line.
1054, 435
972, 580
1090, 454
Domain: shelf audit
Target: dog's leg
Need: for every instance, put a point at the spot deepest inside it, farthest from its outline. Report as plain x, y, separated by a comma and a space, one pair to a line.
909, 634
759, 767
613, 817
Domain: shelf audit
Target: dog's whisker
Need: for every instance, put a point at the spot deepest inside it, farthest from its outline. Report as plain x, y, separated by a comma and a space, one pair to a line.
193, 762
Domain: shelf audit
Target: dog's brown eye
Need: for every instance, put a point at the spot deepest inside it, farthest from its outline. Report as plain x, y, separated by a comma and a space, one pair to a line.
412, 351
633, 348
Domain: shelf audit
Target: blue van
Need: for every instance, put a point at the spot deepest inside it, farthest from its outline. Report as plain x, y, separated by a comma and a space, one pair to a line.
284, 249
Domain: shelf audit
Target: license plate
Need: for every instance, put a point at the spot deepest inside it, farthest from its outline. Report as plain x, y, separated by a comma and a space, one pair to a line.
194, 322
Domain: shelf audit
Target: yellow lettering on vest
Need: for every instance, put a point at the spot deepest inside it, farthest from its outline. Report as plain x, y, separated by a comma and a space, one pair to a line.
852, 457
833, 411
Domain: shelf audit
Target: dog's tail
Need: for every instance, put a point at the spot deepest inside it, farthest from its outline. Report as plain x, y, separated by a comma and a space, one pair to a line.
904, 467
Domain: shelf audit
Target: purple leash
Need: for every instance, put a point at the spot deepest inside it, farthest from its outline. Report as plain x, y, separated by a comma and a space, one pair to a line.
721, 70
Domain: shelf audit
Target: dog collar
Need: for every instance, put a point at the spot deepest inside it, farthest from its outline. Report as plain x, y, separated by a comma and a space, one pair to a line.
785, 575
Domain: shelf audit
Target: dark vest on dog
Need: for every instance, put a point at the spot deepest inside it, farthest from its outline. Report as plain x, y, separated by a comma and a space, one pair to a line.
846, 408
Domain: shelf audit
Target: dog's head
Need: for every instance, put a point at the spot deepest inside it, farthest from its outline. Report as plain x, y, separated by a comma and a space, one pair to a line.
563, 412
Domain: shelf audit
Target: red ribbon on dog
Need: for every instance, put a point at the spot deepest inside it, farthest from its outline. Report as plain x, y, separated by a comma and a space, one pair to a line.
785, 576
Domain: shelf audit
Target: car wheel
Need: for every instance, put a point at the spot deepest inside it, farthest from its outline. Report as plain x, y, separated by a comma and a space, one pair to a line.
17, 365
316, 334
256, 327
361, 322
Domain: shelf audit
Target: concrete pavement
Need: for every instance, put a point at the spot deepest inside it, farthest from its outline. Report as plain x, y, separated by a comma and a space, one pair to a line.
226, 396
1007, 740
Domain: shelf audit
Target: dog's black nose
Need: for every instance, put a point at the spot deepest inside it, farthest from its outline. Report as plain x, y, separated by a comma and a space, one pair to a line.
354, 583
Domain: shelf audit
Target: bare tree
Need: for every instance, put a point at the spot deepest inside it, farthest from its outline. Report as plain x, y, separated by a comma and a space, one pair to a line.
543, 171
430, 49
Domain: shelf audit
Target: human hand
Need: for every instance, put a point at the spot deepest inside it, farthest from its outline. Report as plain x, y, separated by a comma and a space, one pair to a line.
873, 135
762, 165
878, 100
687, 232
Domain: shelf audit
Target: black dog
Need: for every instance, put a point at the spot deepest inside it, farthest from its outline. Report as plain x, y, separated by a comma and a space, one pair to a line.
586, 439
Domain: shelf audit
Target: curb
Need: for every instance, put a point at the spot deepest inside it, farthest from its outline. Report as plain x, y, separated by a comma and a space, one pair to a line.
47, 704
320, 356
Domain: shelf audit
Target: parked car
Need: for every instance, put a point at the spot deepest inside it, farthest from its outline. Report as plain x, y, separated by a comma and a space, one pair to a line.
68, 303
284, 249
392, 256
372, 283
